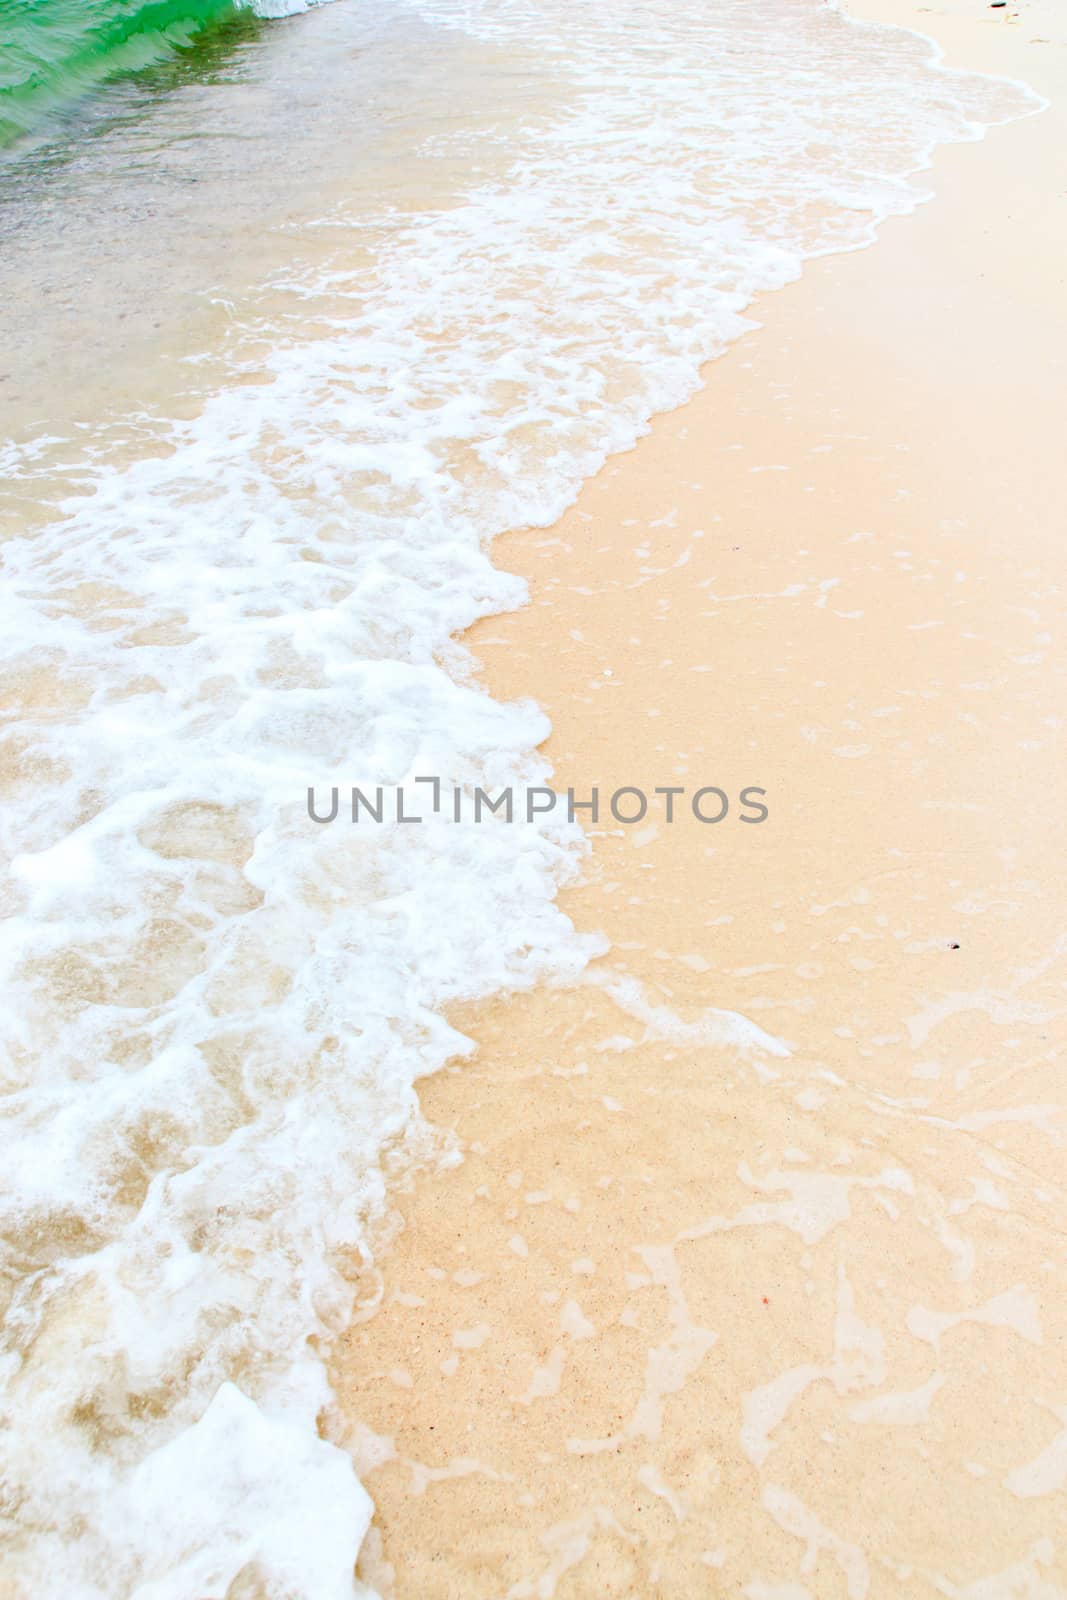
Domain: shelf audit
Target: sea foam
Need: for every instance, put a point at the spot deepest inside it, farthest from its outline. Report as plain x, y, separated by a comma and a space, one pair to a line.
217, 1011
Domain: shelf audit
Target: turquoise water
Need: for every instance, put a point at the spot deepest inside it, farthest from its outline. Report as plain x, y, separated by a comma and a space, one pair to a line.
55, 52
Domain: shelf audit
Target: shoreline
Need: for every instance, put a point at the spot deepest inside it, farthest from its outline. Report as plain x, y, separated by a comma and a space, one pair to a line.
691, 1316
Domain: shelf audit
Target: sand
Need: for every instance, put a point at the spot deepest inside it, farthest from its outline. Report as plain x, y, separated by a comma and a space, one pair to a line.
696, 1319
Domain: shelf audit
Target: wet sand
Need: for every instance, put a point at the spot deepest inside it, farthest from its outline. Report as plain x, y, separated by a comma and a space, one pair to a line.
693, 1318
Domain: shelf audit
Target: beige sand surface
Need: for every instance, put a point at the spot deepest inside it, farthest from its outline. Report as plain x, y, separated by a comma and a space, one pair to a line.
692, 1319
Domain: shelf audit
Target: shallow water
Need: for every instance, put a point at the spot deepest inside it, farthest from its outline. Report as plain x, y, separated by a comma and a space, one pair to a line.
290, 342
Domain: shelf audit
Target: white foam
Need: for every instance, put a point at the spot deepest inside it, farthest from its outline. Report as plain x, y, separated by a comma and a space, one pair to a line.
280, 8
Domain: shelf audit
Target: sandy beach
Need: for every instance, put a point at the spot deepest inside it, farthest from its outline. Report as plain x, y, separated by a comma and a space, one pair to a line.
665, 1201
692, 1317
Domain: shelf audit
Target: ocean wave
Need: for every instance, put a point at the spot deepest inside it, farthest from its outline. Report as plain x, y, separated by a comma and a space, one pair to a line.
55, 52
218, 1010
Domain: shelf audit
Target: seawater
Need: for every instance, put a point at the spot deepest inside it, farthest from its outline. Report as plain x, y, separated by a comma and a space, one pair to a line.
290, 343
54, 52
